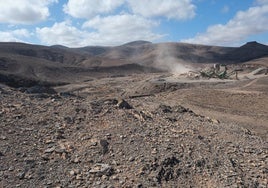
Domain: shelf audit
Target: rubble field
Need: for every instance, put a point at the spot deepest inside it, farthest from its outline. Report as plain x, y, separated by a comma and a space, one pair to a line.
140, 130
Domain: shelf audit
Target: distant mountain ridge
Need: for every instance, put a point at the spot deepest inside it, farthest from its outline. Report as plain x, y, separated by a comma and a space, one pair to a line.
63, 64
137, 50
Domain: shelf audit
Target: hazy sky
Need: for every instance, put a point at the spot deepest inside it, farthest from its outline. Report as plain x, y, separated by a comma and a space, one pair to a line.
76, 23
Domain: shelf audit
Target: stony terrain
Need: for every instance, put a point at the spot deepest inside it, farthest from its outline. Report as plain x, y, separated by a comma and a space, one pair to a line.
135, 115
141, 130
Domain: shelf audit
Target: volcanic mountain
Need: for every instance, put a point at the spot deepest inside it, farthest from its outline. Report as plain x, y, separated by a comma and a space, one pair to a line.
26, 63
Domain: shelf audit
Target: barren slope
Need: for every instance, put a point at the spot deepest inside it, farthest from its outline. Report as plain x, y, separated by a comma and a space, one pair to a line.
91, 138
105, 117
48, 63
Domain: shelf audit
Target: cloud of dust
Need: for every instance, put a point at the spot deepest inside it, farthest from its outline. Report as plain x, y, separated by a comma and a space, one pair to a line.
166, 60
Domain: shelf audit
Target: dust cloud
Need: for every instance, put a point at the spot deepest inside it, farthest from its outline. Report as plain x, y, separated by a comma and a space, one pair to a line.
166, 59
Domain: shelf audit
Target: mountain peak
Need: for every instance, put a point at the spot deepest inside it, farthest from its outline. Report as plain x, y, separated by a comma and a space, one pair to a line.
253, 44
136, 43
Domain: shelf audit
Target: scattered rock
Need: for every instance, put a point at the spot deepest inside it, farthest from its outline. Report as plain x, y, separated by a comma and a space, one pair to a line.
59, 134
3, 137
154, 151
90, 141
122, 104
21, 175
69, 120
50, 150
76, 160
165, 108
131, 159
181, 109
170, 161
72, 173
101, 169
105, 146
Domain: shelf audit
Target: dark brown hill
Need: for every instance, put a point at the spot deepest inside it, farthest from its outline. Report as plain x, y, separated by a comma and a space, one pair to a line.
149, 54
59, 64
54, 53
247, 52
140, 52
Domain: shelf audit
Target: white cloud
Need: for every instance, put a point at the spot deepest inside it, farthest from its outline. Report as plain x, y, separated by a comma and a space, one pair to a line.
21, 33
90, 8
262, 2
171, 9
120, 24
24, 11
245, 23
122, 28
61, 33
14, 36
111, 30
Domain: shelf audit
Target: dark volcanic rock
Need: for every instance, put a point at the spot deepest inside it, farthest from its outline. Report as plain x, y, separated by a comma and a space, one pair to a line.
105, 146
122, 104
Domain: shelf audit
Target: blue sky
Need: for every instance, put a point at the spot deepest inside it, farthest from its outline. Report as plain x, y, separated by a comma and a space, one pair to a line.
76, 23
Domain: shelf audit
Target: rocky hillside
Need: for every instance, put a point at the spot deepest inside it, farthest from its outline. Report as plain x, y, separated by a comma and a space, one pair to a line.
58, 64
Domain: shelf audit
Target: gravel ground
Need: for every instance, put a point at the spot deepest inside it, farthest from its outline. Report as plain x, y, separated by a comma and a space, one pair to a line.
102, 138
